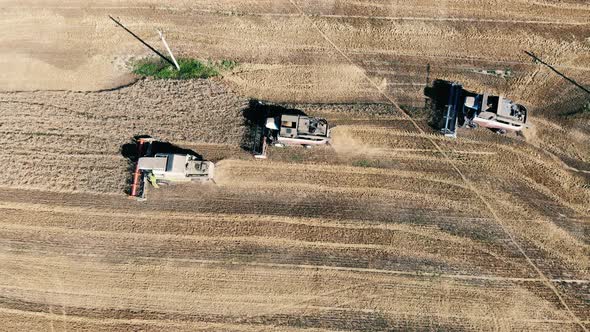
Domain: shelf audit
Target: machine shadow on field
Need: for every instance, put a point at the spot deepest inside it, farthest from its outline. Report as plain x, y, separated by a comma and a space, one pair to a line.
255, 116
438, 94
130, 152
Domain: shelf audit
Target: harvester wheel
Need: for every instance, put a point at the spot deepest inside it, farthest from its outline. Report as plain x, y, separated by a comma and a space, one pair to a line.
307, 146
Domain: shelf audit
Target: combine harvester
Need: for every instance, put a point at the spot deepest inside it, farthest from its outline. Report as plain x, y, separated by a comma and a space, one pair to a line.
462, 108
166, 168
289, 130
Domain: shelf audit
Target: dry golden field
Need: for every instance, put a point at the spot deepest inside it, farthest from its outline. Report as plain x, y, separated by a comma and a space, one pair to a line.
392, 227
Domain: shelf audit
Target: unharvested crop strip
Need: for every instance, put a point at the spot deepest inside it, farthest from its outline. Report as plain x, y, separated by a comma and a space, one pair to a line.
454, 166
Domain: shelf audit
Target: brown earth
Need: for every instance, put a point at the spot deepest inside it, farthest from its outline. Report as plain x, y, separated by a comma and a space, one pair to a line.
393, 227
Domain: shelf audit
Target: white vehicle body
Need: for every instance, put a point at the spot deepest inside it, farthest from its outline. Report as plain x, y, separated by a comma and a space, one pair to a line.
177, 167
298, 130
501, 113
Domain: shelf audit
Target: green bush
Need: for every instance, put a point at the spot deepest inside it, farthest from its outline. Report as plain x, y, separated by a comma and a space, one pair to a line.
189, 68
365, 163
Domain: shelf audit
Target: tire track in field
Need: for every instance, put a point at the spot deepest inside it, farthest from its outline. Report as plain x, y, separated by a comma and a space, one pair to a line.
165, 325
314, 267
307, 244
367, 270
318, 15
363, 17
105, 212
411, 274
552, 163
230, 230
449, 19
389, 286
253, 323
395, 18
542, 275
364, 51
330, 173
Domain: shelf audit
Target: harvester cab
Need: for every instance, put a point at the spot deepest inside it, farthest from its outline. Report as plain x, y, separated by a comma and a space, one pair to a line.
462, 108
166, 168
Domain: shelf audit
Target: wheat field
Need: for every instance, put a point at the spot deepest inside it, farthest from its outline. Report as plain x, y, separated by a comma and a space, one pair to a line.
391, 227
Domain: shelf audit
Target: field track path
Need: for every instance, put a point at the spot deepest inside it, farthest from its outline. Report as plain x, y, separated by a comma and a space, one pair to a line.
334, 16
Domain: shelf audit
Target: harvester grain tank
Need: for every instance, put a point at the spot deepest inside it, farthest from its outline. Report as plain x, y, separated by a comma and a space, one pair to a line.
166, 168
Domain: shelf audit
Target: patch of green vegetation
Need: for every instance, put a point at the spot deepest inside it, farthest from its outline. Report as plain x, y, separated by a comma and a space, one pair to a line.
227, 64
362, 163
189, 68
366, 163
